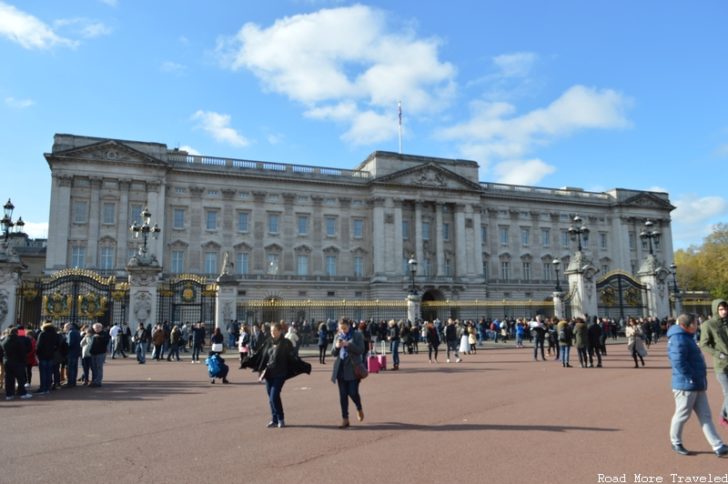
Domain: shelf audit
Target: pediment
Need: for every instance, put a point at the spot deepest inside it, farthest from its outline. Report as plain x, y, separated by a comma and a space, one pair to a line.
108, 151
647, 200
429, 175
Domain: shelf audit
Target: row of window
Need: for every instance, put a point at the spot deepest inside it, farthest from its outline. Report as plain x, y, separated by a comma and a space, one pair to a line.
526, 274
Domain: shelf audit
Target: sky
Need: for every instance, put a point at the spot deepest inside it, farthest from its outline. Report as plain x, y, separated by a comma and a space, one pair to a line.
597, 95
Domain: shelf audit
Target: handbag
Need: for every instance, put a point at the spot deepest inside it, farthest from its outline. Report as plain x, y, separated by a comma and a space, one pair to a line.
217, 347
360, 371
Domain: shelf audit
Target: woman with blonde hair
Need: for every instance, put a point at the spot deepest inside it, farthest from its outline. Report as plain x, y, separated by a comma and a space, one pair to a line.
635, 341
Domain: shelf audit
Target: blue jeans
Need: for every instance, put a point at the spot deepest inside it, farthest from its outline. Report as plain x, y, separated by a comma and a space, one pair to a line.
394, 348
348, 389
723, 380
196, 352
141, 351
274, 386
72, 370
173, 351
97, 368
45, 370
565, 350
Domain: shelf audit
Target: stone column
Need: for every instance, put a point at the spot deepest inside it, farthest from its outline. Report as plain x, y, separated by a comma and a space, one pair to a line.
92, 253
143, 299
558, 298
10, 269
155, 204
59, 223
460, 254
413, 307
419, 248
225, 301
478, 245
582, 286
378, 241
123, 224
439, 241
654, 277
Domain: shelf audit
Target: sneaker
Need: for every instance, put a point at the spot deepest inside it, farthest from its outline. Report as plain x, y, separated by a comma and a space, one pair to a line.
26, 396
272, 424
448, 360
212, 380
360, 415
281, 424
458, 360
27, 385
682, 450
722, 451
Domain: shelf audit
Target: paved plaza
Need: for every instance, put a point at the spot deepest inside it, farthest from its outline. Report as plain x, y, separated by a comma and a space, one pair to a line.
496, 417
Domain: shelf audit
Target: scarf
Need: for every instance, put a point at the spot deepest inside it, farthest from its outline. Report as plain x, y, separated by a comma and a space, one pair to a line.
344, 352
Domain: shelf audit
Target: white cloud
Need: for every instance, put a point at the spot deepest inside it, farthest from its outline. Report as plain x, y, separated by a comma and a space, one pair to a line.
518, 64
694, 218
29, 31
274, 138
522, 172
495, 132
84, 27
218, 126
19, 103
110, 3
190, 150
36, 230
172, 67
345, 58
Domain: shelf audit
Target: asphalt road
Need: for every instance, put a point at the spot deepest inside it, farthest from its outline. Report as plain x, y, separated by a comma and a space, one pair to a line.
496, 417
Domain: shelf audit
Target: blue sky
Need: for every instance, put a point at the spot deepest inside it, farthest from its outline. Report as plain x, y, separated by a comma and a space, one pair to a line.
592, 94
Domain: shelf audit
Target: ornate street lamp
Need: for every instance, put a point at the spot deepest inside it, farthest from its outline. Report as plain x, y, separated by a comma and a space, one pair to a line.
145, 229
675, 290
651, 236
7, 221
412, 262
578, 232
557, 263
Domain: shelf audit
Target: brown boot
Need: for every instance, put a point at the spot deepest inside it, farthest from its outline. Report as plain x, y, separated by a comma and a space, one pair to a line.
360, 415
344, 423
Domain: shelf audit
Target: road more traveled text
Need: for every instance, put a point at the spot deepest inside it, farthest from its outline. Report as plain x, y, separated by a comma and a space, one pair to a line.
671, 478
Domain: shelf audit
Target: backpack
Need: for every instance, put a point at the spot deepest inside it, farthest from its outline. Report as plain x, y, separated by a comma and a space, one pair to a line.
213, 365
564, 335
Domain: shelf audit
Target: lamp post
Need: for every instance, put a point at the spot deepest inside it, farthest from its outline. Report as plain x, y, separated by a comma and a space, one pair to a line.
412, 263
145, 229
578, 232
675, 289
7, 221
651, 236
557, 263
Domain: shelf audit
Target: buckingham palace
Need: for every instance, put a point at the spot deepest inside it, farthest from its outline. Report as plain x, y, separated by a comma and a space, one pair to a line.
394, 225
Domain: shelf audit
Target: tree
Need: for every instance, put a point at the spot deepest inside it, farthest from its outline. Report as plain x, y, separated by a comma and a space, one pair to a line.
705, 267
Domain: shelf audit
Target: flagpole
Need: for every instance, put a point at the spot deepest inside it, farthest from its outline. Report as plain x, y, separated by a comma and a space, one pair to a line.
399, 114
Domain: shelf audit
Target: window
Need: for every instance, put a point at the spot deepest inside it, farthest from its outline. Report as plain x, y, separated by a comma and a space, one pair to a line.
242, 221
178, 262
424, 268
302, 265
605, 269
108, 213
273, 264
80, 212
330, 265
548, 271
448, 267
211, 220
78, 257
242, 260
210, 262
526, 271
358, 228
485, 269
330, 226
106, 258
178, 218
503, 235
445, 231
484, 234
425, 230
302, 223
525, 236
632, 242
405, 229
136, 213
545, 237
505, 270
603, 240
273, 219
633, 266
564, 238
358, 266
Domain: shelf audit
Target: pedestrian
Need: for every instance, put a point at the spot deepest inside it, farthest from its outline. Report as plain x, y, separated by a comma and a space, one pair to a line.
323, 342
689, 383
581, 336
216, 367
538, 333
45, 350
451, 340
635, 341
88, 336
175, 337
217, 341
714, 340
292, 336
594, 344
433, 341
563, 331
244, 344
99, 344
141, 338
393, 338
198, 341
73, 339
464, 340
14, 357
157, 341
348, 349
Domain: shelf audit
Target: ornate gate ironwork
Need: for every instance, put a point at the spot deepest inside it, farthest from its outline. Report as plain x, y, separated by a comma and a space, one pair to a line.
187, 298
620, 296
73, 295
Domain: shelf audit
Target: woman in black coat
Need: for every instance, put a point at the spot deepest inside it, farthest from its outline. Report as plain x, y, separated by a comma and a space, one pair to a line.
348, 350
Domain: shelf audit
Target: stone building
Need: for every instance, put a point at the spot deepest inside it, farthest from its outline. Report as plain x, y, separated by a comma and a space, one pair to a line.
310, 232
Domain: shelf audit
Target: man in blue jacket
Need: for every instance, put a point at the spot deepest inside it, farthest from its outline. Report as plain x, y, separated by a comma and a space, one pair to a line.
689, 383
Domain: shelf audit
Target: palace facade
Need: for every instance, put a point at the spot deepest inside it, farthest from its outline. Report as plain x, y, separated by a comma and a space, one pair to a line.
311, 232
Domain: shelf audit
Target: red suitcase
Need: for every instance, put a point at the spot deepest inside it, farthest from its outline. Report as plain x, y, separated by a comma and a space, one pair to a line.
373, 364
383, 357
